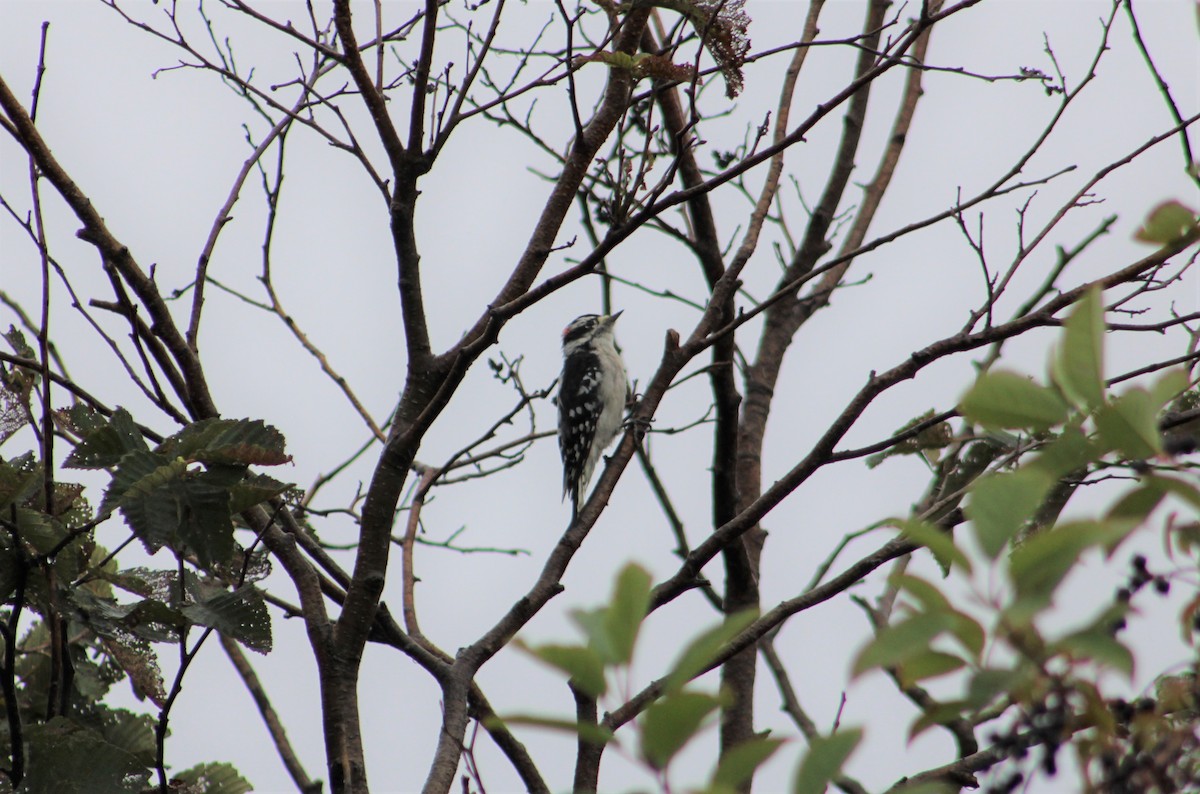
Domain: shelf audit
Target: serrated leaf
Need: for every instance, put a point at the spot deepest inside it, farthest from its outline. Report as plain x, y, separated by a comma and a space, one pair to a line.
939, 542
1078, 363
20, 478
899, 642
703, 648
824, 760
671, 722
1008, 400
82, 418
228, 441
106, 445
1000, 504
65, 757
583, 665
241, 615
213, 779
133, 733
140, 663
17, 342
174, 507
253, 490
1128, 424
134, 468
738, 765
1167, 223
44, 533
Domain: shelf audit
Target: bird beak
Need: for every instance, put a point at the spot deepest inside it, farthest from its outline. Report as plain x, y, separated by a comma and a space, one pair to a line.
612, 318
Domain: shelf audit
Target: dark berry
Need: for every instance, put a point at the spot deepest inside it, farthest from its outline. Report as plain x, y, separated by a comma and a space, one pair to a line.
1123, 595
1139, 562
1162, 585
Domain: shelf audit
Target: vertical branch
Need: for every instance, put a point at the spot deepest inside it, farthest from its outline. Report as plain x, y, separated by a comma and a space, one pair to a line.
43, 335
587, 756
223, 214
408, 572
1184, 140
61, 670
8, 674
416, 119
274, 726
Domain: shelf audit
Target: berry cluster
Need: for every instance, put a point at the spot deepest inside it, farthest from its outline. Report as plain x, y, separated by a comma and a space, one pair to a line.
1043, 725
1138, 579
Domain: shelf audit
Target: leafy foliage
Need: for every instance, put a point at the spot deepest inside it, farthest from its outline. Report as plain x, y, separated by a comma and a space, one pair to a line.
1075, 425
182, 496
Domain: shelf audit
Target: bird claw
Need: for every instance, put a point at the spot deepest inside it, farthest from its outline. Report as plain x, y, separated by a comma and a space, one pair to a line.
638, 425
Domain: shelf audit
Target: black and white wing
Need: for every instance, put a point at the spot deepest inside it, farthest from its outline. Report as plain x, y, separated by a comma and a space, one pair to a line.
579, 409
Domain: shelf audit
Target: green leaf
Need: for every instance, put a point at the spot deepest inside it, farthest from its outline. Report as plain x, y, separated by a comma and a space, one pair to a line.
594, 625
926, 593
1167, 223
135, 656
1007, 400
623, 618
241, 615
1078, 363
596, 734
1182, 489
65, 757
133, 733
37, 529
965, 628
902, 641
990, 683
928, 664
824, 760
134, 468
254, 489
228, 441
583, 665
1069, 452
1129, 425
671, 722
1039, 565
107, 444
184, 510
1001, 504
939, 542
1168, 386
738, 765
1097, 644
942, 713
700, 652
214, 779
20, 479
1137, 504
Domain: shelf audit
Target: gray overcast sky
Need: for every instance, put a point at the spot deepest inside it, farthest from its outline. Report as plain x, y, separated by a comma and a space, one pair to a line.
158, 155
